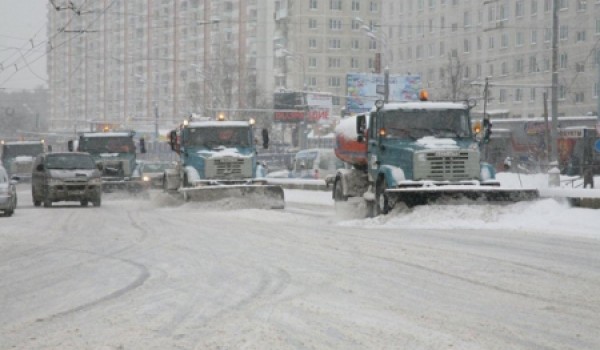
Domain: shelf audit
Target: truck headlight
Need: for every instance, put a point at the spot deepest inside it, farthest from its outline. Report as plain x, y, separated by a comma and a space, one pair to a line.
421, 157
96, 181
54, 181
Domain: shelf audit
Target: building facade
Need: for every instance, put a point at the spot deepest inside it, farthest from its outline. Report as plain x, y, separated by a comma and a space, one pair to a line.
145, 63
455, 44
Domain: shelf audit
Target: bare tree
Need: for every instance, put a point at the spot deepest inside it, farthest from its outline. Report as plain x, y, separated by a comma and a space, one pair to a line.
456, 82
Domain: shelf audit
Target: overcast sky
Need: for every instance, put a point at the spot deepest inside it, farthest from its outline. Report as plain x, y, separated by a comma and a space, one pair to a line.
20, 21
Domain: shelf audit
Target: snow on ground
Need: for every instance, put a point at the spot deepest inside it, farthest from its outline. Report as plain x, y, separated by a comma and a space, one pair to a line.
546, 215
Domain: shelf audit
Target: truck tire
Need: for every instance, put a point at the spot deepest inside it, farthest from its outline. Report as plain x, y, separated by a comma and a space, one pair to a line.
382, 202
338, 191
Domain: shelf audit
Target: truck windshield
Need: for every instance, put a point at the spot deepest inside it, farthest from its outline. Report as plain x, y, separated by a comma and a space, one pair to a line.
12, 151
70, 161
211, 137
113, 144
419, 123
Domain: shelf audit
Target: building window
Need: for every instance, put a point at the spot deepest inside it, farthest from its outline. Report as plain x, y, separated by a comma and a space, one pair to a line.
334, 62
519, 39
534, 7
562, 92
519, 65
504, 41
518, 95
533, 67
504, 68
466, 46
579, 67
335, 81
355, 5
564, 32
533, 36
354, 63
532, 94
502, 98
312, 43
355, 43
596, 90
547, 6
519, 8
579, 97
312, 23
312, 4
335, 24
563, 4
335, 44
335, 5
581, 5
466, 19
563, 61
312, 62
373, 6
581, 36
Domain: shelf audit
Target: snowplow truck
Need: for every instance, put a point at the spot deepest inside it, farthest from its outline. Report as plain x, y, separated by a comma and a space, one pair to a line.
18, 157
115, 154
218, 159
415, 152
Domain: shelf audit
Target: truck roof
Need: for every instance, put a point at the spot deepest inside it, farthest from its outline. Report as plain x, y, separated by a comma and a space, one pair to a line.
216, 123
12, 143
107, 134
423, 105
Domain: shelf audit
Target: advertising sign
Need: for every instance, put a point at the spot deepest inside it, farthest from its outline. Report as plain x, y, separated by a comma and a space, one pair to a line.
290, 108
364, 89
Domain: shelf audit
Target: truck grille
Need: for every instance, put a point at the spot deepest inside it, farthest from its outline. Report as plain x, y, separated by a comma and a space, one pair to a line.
447, 165
229, 168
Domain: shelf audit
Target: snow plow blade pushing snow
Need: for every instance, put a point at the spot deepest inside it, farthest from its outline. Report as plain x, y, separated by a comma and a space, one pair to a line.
253, 196
412, 196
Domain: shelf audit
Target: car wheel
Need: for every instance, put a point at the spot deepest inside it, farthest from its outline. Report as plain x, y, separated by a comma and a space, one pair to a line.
97, 202
83, 202
47, 203
37, 203
9, 212
338, 191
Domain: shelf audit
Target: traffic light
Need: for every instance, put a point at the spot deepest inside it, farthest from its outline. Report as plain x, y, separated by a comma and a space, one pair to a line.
487, 130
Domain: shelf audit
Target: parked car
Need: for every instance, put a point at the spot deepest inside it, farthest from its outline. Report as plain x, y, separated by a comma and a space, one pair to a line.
66, 176
151, 173
315, 163
8, 193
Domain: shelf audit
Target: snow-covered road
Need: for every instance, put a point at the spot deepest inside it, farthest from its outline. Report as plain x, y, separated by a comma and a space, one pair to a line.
155, 274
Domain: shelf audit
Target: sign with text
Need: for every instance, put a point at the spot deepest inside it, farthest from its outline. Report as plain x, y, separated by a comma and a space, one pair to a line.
290, 107
364, 89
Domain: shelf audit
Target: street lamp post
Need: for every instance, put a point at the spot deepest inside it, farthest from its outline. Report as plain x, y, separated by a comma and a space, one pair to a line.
373, 35
303, 131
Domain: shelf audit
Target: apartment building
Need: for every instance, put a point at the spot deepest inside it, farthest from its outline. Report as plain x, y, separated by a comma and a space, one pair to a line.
317, 42
148, 62
455, 44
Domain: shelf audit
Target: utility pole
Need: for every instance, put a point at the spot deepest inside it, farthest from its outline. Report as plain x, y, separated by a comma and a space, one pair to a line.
547, 133
554, 80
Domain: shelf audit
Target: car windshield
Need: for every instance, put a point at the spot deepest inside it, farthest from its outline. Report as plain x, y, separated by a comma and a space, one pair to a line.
70, 161
419, 123
112, 144
211, 137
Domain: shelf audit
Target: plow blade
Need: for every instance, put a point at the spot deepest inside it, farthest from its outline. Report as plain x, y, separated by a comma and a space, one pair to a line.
254, 196
424, 195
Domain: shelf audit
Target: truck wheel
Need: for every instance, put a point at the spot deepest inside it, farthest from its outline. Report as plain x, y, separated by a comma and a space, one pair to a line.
382, 201
338, 191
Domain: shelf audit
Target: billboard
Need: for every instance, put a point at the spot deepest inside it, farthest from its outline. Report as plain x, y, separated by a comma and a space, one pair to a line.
364, 89
290, 107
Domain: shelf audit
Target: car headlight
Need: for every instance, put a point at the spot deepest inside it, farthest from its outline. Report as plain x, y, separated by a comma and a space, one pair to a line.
146, 178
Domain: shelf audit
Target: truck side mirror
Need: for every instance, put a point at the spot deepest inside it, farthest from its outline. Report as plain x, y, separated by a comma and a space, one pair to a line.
487, 130
70, 145
173, 140
49, 148
142, 145
265, 137
361, 126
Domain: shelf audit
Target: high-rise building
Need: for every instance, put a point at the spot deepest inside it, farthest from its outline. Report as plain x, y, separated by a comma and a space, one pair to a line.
150, 62
456, 44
